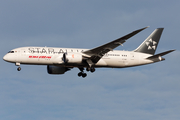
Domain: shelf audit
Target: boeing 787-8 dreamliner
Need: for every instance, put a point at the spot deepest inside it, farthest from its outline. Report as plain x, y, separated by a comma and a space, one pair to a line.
61, 60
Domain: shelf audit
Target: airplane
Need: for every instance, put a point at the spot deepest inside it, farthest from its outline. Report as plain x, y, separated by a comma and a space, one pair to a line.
61, 60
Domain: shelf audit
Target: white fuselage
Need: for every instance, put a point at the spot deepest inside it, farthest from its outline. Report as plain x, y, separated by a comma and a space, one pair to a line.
53, 56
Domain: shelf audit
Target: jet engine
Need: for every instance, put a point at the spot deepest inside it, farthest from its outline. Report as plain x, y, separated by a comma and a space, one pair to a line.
72, 58
52, 69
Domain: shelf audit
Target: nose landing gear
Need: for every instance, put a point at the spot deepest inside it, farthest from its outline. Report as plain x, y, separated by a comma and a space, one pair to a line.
19, 68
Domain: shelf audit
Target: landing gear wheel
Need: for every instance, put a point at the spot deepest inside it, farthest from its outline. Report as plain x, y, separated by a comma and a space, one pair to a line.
92, 69
80, 74
84, 75
19, 68
88, 69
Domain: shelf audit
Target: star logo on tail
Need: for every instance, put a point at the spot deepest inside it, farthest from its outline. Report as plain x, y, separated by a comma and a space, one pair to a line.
151, 44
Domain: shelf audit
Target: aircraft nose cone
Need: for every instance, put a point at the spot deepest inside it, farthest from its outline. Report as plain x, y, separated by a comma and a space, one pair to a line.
5, 58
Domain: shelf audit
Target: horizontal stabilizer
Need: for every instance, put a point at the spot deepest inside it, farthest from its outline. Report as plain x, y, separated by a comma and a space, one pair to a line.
160, 54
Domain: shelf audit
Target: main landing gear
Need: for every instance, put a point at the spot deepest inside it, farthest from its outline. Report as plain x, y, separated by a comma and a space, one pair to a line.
92, 69
82, 73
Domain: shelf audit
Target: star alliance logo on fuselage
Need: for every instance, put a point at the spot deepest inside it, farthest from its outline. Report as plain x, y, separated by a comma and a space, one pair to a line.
151, 44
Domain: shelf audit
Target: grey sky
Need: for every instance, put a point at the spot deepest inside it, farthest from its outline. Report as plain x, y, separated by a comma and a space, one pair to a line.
139, 93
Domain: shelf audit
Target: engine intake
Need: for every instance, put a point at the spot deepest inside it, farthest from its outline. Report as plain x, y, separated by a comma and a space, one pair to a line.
51, 69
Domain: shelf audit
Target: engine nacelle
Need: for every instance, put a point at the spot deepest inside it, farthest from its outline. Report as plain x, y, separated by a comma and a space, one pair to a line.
72, 58
51, 69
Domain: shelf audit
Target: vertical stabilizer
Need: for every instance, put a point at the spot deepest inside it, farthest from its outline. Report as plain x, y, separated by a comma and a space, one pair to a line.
150, 44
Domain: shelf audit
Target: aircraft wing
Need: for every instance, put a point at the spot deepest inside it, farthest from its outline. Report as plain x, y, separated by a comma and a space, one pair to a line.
98, 52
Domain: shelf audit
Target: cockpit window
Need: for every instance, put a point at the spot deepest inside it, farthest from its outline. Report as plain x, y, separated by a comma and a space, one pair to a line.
11, 52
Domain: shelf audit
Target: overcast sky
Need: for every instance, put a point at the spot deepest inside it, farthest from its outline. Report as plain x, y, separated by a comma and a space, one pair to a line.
150, 92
